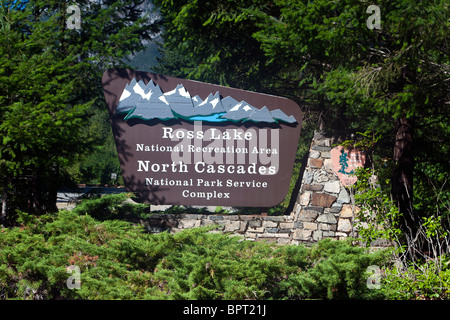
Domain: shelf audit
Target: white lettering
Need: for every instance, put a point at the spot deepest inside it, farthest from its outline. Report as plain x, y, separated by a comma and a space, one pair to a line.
142, 166
167, 133
164, 167
205, 195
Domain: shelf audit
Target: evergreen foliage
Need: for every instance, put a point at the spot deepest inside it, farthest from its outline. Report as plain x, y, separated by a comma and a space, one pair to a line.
392, 80
50, 87
114, 206
118, 260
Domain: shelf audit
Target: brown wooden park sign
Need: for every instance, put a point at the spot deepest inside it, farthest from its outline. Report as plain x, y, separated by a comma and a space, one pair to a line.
184, 142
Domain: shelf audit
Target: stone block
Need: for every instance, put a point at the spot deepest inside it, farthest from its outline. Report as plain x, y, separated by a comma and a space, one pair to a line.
307, 215
321, 176
315, 163
249, 217
325, 155
322, 200
332, 187
321, 148
308, 177
302, 234
328, 234
298, 225
322, 142
314, 154
326, 218
220, 227
250, 235
304, 198
269, 224
328, 165
274, 235
195, 216
232, 226
381, 243
274, 218
207, 222
189, 223
313, 187
336, 208
327, 226
155, 229
317, 235
310, 226
256, 230
286, 225
297, 209
347, 211
343, 197
254, 223
314, 208
344, 225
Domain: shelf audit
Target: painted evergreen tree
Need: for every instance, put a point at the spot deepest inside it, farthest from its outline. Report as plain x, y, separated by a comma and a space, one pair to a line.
343, 161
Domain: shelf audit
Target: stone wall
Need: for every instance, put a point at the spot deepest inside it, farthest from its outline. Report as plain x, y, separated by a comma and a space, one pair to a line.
323, 208
278, 229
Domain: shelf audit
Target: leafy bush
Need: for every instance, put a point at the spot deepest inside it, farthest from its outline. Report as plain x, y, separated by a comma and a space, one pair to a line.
422, 270
418, 282
379, 218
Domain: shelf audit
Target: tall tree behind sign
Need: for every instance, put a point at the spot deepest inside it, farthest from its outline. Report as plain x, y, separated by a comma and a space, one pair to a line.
50, 74
389, 72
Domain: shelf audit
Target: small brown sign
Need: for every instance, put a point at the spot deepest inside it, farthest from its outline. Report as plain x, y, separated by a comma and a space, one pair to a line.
191, 143
345, 162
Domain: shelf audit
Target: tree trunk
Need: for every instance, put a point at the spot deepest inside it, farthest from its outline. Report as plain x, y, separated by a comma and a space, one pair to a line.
402, 179
45, 189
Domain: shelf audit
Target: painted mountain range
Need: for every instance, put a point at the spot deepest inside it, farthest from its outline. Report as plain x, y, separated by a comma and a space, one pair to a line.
149, 102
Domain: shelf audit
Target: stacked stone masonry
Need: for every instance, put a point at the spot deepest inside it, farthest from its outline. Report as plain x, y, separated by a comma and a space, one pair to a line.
323, 208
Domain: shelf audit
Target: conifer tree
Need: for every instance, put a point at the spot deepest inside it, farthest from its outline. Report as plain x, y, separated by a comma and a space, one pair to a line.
52, 56
381, 66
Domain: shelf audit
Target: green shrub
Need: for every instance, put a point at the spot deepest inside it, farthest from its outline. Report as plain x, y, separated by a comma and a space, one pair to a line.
216, 266
424, 281
113, 206
425, 270
119, 260
337, 270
